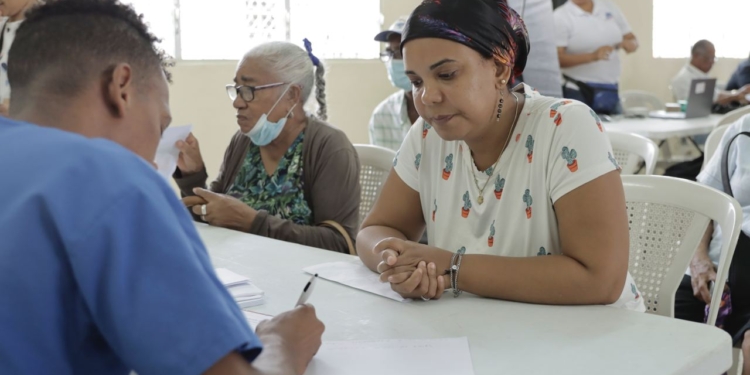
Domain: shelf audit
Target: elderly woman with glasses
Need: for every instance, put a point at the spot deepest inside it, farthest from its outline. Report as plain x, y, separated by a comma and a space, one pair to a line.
286, 174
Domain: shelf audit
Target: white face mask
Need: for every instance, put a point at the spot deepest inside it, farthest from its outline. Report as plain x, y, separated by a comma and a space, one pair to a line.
264, 132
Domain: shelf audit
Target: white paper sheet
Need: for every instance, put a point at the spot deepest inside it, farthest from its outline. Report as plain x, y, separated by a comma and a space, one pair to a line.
355, 275
393, 357
254, 318
167, 153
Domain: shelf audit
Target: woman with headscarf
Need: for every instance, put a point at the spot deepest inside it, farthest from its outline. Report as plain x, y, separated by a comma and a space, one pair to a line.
286, 174
520, 194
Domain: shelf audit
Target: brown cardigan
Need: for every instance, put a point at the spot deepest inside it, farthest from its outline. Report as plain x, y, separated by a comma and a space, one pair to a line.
331, 187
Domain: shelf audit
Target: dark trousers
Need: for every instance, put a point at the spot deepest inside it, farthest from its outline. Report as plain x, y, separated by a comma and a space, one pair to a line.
687, 307
574, 94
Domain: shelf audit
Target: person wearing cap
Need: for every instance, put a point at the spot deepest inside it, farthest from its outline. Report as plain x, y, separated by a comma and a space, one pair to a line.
590, 34
507, 182
287, 174
394, 116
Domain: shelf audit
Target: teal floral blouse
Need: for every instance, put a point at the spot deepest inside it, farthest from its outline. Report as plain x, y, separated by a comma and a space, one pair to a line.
280, 194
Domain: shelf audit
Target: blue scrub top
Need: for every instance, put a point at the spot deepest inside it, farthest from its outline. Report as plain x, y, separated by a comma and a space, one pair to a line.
101, 268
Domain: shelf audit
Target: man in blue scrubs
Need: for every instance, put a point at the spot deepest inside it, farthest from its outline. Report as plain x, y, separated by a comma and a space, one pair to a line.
101, 269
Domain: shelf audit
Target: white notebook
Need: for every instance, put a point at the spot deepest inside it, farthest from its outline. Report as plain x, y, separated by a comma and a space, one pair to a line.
245, 293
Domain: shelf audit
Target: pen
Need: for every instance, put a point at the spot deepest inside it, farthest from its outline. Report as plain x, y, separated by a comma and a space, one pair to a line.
307, 291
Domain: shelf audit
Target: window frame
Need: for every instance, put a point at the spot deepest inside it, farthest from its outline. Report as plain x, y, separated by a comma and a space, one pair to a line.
177, 54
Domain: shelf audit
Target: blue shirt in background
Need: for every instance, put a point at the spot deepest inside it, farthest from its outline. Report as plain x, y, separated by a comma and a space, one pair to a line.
740, 77
101, 268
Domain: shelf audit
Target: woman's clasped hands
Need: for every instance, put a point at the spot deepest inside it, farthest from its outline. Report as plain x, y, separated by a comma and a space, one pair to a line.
414, 270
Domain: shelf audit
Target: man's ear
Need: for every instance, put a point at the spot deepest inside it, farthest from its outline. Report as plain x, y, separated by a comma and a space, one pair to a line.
118, 89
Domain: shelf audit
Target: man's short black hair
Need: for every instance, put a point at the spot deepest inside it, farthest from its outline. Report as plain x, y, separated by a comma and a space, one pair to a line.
66, 44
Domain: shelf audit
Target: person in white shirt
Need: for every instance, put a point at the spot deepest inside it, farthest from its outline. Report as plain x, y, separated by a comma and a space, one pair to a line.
693, 293
13, 13
702, 59
589, 35
543, 68
394, 116
507, 182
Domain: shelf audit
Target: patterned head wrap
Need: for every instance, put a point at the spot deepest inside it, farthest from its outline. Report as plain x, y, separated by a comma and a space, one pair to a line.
489, 27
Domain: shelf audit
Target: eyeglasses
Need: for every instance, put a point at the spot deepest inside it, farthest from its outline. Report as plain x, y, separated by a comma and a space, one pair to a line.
247, 93
390, 54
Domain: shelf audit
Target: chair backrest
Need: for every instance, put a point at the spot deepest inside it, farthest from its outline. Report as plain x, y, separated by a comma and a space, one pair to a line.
376, 163
732, 117
712, 142
643, 99
629, 149
668, 217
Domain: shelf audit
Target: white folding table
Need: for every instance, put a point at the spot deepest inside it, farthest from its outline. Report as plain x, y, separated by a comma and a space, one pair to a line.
504, 337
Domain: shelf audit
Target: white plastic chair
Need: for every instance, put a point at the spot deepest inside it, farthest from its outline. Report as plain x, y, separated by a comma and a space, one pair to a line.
635, 99
714, 139
629, 149
732, 117
668, 217
376, 163
712, 142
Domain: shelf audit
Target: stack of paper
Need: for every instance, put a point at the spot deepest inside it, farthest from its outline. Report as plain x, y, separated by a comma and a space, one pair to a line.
241, 288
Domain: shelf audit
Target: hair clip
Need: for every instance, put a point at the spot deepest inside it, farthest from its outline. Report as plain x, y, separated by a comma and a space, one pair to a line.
308, 47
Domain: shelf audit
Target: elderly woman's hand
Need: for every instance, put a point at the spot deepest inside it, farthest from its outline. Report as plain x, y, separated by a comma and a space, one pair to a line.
221, 210
702, 274
190, 160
